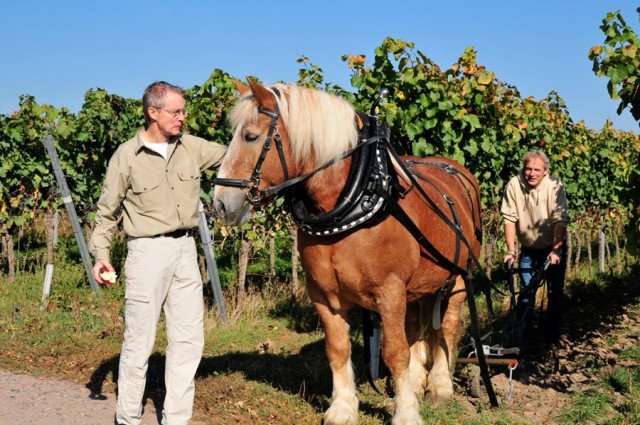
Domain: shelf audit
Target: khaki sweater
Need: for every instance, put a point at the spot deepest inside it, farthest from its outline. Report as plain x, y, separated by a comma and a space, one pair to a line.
535, 211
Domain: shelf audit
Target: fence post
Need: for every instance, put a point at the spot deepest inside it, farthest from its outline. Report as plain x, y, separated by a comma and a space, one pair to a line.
602, 245
212, 269
71, 211
56, 227
46, 287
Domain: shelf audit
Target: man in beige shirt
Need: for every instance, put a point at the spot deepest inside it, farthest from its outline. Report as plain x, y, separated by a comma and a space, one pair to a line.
155, 177
534, 208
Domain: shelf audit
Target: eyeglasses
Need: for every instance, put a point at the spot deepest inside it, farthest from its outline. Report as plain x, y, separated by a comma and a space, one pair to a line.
175, 113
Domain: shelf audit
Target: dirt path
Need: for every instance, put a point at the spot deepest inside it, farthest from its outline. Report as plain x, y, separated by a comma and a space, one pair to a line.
29, 400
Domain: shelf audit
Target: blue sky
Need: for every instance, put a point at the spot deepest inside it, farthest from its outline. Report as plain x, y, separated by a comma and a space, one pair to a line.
56, 51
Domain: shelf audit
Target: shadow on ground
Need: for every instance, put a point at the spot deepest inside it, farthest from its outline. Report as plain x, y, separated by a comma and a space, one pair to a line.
305, 374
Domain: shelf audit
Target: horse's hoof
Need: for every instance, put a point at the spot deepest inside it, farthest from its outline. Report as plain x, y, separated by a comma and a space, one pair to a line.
407, 420
340, 413
440, 393
440, 396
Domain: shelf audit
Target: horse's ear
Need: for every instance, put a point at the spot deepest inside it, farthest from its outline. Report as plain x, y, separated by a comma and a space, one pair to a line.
241, 87
266, 99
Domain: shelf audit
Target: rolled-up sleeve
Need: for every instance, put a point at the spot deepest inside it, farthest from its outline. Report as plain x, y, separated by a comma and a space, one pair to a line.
211, 154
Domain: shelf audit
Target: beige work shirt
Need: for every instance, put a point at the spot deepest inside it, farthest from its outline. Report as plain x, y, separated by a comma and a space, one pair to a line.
158, 196
535, 211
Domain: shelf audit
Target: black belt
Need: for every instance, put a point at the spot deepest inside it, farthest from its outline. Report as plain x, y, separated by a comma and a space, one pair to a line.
176, 234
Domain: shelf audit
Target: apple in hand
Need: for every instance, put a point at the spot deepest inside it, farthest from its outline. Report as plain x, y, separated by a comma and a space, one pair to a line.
109, 276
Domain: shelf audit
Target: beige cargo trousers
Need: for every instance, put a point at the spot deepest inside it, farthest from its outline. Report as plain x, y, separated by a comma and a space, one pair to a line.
161, 274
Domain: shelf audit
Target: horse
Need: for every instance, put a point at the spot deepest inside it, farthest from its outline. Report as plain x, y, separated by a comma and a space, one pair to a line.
377, 263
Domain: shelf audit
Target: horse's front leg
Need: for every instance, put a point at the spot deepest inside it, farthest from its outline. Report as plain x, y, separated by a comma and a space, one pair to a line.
344, 405
396, 354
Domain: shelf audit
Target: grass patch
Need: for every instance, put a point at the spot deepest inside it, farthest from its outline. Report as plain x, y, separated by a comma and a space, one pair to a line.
587, 407
624, 380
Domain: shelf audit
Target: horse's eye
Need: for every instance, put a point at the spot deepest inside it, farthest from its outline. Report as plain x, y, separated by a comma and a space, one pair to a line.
251, 137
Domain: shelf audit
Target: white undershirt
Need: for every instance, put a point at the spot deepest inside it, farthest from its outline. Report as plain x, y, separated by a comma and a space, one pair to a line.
161, 148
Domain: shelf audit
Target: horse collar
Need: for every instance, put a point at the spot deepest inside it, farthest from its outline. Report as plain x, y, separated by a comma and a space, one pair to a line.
359, 201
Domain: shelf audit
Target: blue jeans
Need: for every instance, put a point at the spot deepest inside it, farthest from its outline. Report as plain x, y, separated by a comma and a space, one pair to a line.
533, 259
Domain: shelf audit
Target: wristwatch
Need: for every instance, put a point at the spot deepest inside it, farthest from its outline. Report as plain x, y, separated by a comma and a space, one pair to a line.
511, 252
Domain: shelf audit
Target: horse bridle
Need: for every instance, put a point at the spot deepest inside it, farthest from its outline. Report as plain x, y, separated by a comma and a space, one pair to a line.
255, 195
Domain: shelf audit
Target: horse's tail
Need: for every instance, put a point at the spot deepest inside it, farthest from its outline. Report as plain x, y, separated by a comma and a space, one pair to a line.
431, 337
428, 335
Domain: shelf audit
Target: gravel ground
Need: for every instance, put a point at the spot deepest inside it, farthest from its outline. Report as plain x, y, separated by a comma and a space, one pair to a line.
25, 399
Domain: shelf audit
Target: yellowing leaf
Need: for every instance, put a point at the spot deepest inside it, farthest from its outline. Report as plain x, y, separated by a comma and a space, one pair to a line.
15, 201
485, 78
630, 50
359, 60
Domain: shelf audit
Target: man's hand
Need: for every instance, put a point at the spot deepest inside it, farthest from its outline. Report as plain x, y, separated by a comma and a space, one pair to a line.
510, 255
554, 257
103, 272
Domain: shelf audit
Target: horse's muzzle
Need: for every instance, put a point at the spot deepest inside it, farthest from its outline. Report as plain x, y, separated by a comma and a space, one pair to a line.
232, 207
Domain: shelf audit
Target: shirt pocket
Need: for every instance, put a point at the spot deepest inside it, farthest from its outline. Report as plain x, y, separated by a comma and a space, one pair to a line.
144, 183
145, 189
189, 182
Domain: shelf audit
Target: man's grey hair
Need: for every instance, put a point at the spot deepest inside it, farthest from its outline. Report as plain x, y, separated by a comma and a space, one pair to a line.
533, 155
155, 96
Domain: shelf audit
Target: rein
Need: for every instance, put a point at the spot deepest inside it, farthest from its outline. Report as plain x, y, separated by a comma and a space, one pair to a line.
274, 190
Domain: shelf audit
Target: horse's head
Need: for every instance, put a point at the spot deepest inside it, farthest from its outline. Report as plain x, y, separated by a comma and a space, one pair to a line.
258, 155
280, 133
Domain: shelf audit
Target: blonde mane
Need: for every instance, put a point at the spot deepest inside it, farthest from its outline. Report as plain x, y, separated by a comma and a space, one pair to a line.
318, 123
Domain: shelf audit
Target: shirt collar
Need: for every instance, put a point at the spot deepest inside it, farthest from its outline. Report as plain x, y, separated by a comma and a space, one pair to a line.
140, 143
